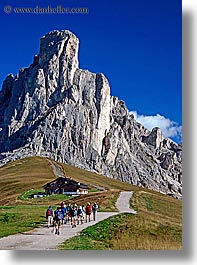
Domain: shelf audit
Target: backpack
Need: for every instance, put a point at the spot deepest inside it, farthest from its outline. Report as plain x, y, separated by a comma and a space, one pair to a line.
63, 210
49, 212
79, 211
88, 209
59, 215
75, 212
94, 207
68, 208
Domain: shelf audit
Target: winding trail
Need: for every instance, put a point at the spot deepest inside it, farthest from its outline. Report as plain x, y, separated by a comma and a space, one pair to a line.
43, 239
57, 169
122, 203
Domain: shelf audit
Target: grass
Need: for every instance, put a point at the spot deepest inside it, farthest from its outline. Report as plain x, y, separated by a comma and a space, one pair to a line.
27, 197
157, 226
95, 180
126, 232
158, 204
27, 194
21, 218
22, 175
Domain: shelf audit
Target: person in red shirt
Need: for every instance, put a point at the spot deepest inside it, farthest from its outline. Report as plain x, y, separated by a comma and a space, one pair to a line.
49, 216
88, 212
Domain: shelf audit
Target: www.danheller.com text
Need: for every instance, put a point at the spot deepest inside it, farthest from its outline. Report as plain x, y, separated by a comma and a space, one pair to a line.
59, 9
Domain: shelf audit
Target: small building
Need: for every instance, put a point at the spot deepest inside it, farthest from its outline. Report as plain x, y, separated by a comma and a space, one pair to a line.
67, 186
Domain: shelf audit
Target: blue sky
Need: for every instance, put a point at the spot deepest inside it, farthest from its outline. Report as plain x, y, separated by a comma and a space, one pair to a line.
136, 44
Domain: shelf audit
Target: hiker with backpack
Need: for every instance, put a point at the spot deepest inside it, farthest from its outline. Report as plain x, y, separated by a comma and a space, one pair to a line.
80, 215
74, 215
88, 212
68, 213
63, 209
94, 210
58, 220
49, 216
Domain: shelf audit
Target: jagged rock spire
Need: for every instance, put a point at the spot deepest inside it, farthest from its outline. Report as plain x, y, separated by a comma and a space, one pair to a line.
55, 109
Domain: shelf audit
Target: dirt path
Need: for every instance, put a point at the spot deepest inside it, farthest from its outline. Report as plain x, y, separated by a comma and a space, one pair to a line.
123, 202
43, 239
57, 169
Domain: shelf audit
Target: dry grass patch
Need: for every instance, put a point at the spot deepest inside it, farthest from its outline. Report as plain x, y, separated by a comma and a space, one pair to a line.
22, 175
156, 204
95, 180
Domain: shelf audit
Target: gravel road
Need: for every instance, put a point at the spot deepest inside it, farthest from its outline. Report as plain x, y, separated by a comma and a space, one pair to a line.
43, 239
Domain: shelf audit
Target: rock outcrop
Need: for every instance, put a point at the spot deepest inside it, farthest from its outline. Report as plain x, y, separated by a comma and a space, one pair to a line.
55, 109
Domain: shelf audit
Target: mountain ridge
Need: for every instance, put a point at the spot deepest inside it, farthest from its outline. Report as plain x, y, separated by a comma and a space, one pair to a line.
55, 109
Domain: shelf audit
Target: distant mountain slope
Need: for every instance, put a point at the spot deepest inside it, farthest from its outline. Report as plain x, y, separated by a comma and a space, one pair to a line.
55, 109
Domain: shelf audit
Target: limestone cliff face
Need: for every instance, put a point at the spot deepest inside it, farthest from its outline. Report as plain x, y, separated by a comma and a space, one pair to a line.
55, 109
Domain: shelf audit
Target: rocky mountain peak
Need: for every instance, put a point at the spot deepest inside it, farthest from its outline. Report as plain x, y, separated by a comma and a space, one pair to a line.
55, 109
60, 48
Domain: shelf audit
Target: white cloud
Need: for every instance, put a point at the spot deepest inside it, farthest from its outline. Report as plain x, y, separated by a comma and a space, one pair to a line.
169, 128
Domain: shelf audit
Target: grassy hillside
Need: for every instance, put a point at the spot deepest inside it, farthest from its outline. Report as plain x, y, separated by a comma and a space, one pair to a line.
20, 176
158, 224
95, 180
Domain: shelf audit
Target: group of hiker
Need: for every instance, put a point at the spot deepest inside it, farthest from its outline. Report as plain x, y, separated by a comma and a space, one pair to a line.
72, 214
